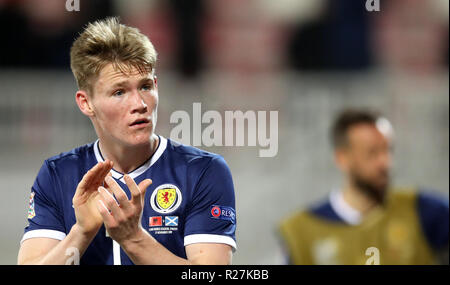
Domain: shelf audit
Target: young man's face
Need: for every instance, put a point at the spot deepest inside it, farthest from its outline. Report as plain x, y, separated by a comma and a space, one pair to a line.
124, 106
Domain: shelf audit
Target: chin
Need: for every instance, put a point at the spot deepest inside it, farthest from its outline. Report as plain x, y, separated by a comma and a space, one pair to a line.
136, 139
374, 190
141, 140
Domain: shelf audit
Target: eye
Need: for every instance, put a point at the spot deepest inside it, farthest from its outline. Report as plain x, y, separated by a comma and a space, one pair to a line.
147, 87
118, 92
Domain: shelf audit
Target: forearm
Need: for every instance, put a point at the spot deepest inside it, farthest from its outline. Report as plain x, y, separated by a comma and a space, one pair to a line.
69, 250
145, 250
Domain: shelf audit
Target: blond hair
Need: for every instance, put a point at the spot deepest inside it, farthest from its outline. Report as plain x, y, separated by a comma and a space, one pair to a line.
107, 41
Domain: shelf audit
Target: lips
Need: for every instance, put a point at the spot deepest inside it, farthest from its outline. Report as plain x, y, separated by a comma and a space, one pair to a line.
140, 122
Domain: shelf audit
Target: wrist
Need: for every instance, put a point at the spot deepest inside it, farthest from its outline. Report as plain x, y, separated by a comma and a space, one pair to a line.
134, 240
82, 233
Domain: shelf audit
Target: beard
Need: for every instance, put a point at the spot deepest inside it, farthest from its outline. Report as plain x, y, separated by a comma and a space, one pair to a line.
375, 191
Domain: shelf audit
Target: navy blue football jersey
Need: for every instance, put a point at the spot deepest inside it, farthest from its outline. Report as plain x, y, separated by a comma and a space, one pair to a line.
191, 199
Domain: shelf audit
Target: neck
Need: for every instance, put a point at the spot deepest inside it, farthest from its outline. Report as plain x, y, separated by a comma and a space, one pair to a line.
358, 200
128, 158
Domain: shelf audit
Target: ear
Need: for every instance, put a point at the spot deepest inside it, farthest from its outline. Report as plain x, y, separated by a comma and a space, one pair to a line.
341, 159
84, 103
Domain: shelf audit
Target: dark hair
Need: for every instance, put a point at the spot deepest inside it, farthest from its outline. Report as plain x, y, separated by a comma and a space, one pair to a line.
347, 119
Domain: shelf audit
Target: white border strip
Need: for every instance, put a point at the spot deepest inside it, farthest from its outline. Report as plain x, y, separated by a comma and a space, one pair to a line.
43, 234
159, 151
343, 210
116, 253
208, 238
99, 158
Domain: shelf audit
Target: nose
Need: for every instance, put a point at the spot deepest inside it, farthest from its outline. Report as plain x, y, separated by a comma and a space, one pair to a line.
137, 103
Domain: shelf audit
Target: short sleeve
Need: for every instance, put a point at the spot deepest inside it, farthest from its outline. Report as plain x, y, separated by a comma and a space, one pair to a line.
44, 216
212, 216
434, 218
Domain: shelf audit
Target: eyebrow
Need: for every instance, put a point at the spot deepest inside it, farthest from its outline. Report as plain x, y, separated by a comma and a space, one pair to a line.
124, 82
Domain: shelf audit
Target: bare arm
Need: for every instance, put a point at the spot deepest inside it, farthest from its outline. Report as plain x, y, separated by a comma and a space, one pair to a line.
52, 251
147, 250
32, 250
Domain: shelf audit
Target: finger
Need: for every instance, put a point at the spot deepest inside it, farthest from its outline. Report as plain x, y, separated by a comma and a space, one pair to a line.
87, 179
144, 185
105, 213
134, 190
110, 203
137, 193
109, 166
92, 173
96, 175
121, 196
103, 172
105, 184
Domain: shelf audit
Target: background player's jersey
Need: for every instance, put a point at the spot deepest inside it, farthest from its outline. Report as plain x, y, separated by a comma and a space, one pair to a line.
191, 199
409, 229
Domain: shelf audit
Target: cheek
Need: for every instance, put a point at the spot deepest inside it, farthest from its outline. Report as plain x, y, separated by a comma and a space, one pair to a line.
362, 165
369, 169
109, 112
152, 100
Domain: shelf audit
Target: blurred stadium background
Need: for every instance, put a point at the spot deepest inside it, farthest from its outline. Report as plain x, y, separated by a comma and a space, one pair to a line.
306, 59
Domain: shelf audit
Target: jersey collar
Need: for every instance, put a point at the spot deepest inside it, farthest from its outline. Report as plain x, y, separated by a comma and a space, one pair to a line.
343, 209
141, 169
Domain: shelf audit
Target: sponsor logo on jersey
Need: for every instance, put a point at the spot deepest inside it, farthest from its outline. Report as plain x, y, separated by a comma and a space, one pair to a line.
31, 212
166, 198
223, 213
215, 211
